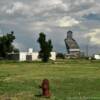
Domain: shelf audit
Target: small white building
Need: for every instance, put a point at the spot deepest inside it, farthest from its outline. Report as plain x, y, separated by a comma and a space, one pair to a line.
29, 56
97, 56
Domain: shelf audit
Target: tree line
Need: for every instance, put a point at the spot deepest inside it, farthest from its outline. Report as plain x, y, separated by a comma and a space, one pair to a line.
6, 46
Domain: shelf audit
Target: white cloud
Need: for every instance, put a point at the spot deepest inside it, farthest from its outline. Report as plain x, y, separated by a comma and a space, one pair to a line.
0, 32
46, 5
19, 45
33, 16
39, 26
16, 6
78, 2
94, 36
67, 22
8, 22
51, 2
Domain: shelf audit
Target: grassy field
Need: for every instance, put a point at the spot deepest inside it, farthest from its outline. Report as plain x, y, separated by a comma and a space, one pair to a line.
69, 80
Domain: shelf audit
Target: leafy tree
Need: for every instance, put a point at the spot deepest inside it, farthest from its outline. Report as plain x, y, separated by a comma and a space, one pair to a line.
6, 44
45, 46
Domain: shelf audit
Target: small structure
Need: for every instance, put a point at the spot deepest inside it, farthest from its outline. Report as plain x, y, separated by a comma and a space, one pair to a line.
97, 56
72, 46
28, 56
45, 88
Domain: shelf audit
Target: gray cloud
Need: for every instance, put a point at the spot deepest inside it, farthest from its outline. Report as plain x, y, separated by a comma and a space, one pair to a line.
54, 17
93, 16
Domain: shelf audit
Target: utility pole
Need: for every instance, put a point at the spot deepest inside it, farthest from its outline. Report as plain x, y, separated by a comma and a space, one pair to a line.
87, 46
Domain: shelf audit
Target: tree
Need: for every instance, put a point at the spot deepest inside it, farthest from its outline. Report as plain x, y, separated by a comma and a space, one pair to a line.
6, 44
45, 46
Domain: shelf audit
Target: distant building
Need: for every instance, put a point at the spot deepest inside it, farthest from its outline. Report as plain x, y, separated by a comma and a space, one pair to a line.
97, 56
28, 56
72, 46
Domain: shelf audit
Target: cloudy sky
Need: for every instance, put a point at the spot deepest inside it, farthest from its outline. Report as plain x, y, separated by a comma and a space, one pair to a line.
27, 18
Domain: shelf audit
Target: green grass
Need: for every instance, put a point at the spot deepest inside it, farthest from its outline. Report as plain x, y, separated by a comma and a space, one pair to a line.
69, 80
